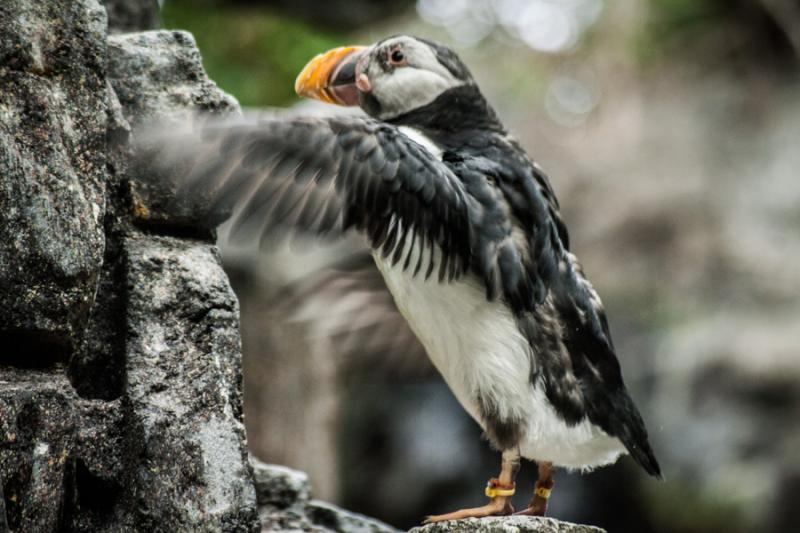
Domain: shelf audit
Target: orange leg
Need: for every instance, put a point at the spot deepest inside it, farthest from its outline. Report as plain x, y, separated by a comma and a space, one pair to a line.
499, 490
541, 494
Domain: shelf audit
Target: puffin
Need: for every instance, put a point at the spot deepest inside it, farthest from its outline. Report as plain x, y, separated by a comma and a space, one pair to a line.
466, 232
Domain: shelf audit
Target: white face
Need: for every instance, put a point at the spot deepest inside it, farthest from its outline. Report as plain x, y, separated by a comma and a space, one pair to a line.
402, 74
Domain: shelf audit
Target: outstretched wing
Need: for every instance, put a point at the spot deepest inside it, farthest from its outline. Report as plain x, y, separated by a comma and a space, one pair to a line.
322, 176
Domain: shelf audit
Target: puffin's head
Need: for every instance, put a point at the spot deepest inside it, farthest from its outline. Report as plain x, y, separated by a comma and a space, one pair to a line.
388, 79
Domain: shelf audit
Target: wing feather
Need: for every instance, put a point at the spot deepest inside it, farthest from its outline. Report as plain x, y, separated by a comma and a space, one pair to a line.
322, 176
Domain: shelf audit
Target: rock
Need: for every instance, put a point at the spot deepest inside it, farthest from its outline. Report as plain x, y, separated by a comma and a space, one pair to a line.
329, 517
60, 456
53, 164
3, 521
507, 524
159, 75
284, 505
280, 486
37, 433
184, 388
134, 421
132, 15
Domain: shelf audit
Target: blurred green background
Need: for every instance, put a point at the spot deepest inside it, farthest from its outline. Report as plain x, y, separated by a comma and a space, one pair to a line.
669, 129
251, 52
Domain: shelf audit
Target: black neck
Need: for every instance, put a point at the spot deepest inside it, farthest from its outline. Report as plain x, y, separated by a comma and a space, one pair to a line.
458, 109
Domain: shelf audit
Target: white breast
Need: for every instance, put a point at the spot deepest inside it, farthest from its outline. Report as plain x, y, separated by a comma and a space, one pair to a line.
474, 344
479, 350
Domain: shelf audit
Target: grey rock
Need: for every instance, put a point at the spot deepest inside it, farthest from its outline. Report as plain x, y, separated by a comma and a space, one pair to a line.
285, 505
153, 71
132, 15
62, 461
37, 437
3, 520
134, 423
101, 440
280, 486
332, 518
52, 160
159, 76
184, 388
507, 524
102, 349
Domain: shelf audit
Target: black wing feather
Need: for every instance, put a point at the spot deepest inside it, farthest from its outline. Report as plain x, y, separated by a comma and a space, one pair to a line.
325, 175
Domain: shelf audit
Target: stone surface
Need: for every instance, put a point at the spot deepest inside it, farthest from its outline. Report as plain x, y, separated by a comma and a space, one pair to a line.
150, 70
170, 452
158, 75
182, 352
280, 486
507, 524
184, 388
134, 420
52, 161
61, 458
331, 518
285, 505
37, 437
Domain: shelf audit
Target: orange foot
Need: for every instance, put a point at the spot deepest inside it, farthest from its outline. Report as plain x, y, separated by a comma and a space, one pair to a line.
499, 505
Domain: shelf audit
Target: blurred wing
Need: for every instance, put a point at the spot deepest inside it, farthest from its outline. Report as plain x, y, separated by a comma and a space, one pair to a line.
349, 304
322, 176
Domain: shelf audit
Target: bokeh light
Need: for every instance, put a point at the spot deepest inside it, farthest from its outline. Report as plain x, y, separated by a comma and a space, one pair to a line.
543, 25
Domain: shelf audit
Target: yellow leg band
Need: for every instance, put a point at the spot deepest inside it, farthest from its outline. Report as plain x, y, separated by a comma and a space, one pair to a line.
542, 492
493, 492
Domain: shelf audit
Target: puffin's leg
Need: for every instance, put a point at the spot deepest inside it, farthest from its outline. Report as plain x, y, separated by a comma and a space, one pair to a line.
499, 490
544, 485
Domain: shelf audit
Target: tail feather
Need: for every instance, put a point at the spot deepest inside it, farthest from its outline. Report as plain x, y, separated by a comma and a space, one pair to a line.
627, 425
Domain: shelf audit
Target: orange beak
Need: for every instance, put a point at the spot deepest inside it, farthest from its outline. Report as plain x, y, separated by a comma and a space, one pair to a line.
330, 77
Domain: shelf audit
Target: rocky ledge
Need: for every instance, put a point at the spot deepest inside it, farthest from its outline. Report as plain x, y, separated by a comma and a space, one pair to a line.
285, 504
507, 524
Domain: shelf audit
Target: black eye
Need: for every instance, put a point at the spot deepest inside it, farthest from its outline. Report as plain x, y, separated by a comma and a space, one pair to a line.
397, 56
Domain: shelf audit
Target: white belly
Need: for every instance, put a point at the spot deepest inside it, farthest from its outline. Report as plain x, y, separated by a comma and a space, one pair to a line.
480, 352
